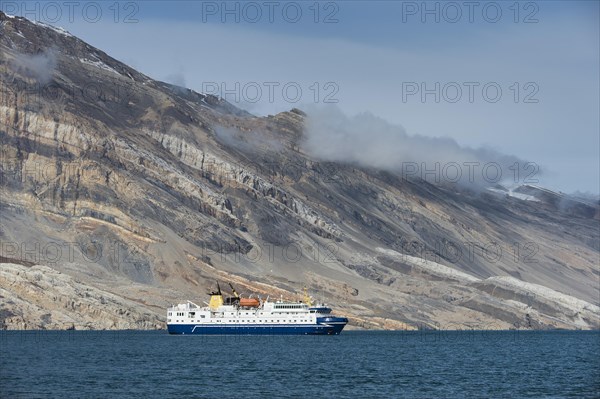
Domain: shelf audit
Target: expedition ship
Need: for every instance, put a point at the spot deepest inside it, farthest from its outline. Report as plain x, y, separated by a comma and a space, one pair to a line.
246, 316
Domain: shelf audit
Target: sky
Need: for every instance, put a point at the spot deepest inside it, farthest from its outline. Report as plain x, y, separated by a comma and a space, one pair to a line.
516, 78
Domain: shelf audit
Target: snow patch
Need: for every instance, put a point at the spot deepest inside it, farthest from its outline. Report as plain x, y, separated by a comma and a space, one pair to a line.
544, 292
432, 267
99, 64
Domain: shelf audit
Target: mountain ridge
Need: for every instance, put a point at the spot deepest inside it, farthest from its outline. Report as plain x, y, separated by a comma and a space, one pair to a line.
145, 184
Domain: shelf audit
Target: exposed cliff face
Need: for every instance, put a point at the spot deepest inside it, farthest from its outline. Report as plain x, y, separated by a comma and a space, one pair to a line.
144, 193
39, 297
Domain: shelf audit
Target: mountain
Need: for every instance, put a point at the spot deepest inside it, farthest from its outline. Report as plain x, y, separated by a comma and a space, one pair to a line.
121, 194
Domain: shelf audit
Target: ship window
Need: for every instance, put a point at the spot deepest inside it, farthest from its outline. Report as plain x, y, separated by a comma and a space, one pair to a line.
201, 316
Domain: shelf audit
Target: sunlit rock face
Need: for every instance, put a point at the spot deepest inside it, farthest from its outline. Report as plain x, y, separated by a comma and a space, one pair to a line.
121, 195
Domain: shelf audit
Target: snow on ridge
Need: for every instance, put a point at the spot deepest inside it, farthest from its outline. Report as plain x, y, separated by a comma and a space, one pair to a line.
544, 292
524, 197
56, 29
511, 193
99, 64
546, 190
433, 267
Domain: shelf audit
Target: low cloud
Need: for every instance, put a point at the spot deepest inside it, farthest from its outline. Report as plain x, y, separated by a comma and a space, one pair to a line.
37, 66
369, 141
177, 79
250, 142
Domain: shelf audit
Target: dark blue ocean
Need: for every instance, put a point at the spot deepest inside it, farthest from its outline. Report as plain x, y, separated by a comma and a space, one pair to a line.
432, 364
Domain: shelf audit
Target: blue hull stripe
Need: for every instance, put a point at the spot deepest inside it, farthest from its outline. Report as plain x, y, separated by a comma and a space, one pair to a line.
241, 329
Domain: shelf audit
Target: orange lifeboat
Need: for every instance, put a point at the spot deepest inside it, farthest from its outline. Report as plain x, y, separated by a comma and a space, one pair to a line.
249, 302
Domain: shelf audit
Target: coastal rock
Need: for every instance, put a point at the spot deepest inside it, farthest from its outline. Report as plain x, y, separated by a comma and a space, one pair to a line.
41, 298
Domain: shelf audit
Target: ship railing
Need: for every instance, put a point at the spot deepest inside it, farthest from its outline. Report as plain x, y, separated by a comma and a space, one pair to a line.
189, 305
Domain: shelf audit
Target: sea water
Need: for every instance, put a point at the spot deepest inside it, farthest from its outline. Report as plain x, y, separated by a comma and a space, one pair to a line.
419, 364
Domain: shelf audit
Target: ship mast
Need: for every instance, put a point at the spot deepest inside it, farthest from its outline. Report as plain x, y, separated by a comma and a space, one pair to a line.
235, 294
307, 298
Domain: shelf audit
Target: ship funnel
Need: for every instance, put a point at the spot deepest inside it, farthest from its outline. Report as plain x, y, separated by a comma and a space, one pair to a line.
216, 298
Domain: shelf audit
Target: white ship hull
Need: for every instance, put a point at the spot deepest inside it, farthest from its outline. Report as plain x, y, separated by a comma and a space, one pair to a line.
270, 318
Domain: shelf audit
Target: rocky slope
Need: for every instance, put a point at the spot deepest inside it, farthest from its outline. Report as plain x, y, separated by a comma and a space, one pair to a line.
143, 193
40, 297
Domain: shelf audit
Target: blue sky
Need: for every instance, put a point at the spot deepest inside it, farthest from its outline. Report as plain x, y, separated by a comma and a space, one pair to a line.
379, 57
